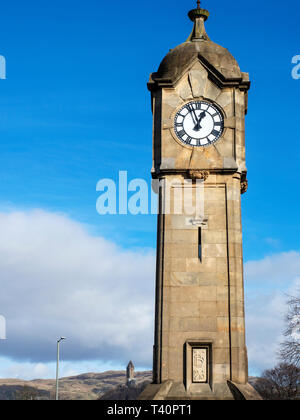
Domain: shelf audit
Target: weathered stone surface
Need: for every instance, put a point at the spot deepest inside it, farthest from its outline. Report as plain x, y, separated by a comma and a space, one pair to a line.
184, 89
244, 392
225, 98
172, 100
198, 79
184, 279
188, 310
214, 237
156, 392
208, 265
211, 91
214, 250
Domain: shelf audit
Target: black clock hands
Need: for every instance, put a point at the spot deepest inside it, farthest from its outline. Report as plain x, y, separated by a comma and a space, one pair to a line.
198, 126
193, 113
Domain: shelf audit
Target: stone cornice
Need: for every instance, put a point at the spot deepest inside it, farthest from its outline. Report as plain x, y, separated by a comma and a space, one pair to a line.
214, 75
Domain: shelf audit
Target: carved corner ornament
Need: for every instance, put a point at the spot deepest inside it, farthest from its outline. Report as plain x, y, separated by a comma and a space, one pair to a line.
199, 174
244, 186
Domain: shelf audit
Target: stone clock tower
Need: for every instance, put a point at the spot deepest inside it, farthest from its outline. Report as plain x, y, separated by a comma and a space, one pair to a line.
199, 103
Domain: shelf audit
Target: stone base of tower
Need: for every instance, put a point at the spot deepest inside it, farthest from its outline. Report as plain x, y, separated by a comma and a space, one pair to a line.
172, 391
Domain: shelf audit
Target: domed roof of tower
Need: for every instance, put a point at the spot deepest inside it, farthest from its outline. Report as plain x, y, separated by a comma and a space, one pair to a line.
198, 46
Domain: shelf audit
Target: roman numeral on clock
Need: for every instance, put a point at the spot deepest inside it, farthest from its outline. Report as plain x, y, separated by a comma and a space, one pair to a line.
190, 108
215, 133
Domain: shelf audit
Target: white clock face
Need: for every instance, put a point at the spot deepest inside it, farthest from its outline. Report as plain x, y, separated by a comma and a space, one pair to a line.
199, 124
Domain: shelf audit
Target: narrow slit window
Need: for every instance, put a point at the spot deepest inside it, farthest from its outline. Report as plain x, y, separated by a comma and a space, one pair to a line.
200, 244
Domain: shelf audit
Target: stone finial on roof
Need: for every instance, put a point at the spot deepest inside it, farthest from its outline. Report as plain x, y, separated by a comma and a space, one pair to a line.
198, 16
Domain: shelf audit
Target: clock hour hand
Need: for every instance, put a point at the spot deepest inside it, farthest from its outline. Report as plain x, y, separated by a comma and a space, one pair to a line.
198, 126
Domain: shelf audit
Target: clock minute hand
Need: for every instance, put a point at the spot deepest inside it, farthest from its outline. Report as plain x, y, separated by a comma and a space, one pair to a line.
194, 115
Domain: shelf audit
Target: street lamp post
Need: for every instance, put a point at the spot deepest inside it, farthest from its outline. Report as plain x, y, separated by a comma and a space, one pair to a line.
57, 365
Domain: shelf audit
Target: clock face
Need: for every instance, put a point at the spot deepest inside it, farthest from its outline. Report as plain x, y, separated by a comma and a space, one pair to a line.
199, 124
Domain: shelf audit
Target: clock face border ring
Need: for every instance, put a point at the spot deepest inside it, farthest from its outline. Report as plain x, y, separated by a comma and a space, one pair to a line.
182, 105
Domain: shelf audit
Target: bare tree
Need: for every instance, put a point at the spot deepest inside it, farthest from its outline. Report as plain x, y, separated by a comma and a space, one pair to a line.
280, 383
283, 382
290, 348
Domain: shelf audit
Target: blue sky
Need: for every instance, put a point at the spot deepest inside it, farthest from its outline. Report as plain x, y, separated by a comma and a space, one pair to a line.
75, 109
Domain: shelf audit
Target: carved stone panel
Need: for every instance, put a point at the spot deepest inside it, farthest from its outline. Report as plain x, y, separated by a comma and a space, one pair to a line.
200, 365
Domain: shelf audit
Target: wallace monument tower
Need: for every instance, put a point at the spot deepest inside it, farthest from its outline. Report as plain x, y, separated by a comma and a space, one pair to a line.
199, 103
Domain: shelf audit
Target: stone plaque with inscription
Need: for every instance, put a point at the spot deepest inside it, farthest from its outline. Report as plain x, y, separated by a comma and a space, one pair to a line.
200, 365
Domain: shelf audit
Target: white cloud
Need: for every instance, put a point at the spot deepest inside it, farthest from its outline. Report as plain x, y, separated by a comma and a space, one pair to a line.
275, 270
56, 279
29, 370
26, 371
268, 282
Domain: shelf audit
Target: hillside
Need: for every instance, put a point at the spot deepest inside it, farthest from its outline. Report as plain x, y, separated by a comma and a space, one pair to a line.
89, 386
125, 392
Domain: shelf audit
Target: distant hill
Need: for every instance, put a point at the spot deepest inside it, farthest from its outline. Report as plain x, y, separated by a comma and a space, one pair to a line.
89, 386
125, 392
